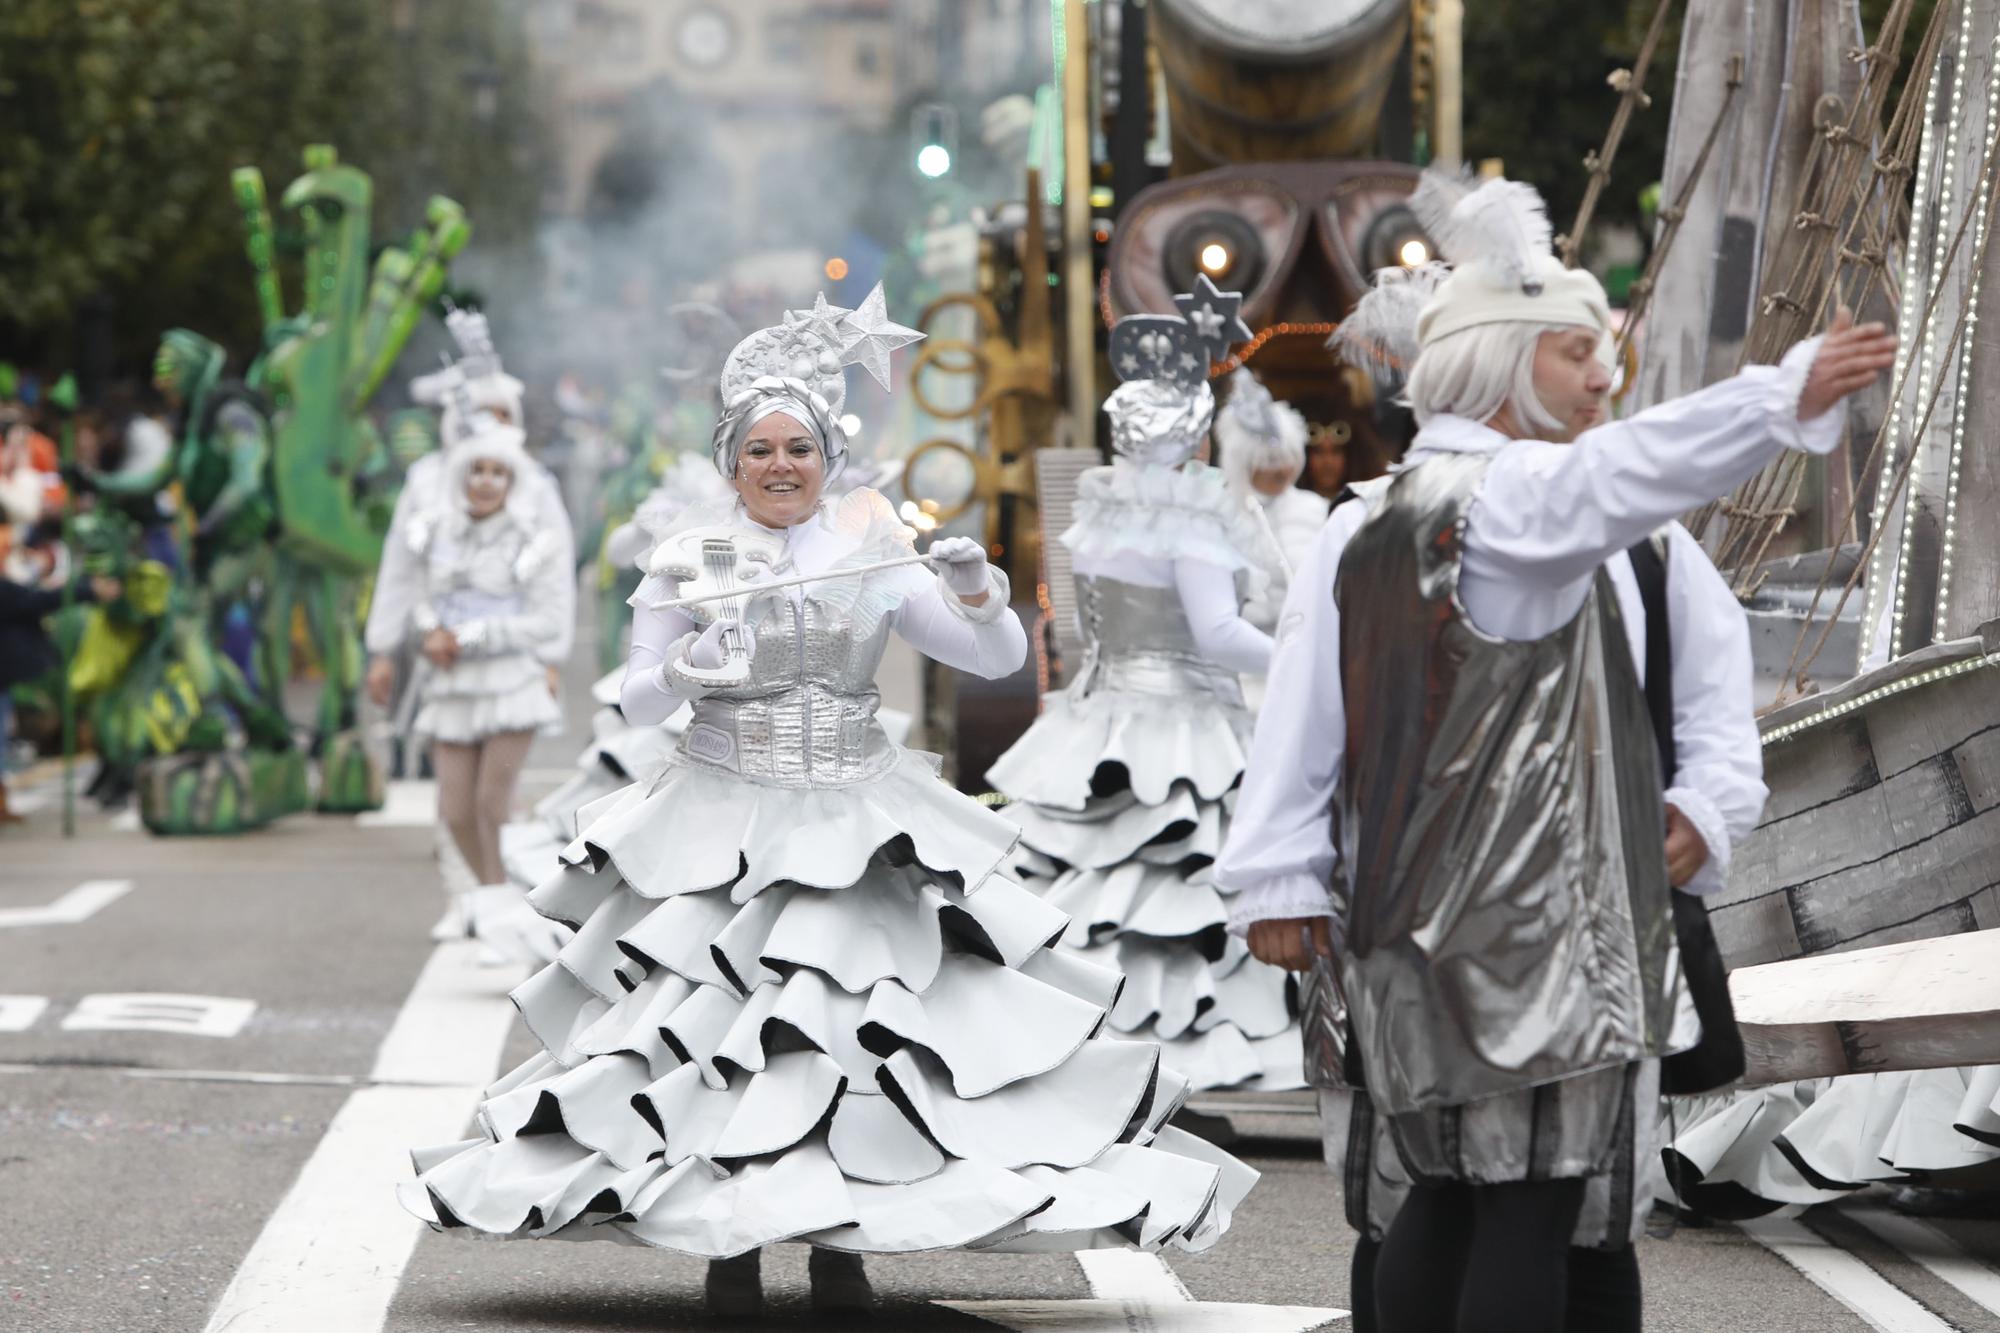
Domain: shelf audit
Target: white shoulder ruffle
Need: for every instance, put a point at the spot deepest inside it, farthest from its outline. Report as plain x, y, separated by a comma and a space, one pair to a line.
1185, 513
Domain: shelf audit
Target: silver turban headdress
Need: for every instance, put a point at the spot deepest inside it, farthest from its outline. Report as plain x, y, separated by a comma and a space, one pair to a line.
1162, 411
799, 368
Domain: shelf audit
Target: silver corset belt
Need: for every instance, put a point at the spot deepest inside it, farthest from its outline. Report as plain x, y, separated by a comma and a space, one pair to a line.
809, 736
1139, 642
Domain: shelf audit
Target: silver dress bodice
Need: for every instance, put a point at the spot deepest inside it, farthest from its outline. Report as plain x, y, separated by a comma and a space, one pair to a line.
1138, 641
1501, 812
477, 570
806, 716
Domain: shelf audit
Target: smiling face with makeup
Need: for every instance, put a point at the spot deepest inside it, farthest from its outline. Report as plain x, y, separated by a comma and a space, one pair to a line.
487, 482
780, 472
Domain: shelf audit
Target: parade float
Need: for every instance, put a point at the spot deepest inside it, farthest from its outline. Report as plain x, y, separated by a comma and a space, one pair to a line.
271, 477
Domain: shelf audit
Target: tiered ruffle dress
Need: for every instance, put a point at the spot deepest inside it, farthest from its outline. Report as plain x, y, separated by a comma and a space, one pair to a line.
805, 1003
1751, 1152
1122, 788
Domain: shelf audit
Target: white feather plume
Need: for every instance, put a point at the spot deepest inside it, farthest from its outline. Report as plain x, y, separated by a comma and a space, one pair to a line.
1380, 335
1499, 222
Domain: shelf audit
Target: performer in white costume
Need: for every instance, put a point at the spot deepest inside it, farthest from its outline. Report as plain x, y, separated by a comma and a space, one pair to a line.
489, 390
1263, 450
1122, 787
803, 1003
1478, 597
487, 592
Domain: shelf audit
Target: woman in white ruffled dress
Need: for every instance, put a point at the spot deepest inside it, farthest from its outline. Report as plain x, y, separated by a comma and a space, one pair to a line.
1122, 788
802, 1002
489, 594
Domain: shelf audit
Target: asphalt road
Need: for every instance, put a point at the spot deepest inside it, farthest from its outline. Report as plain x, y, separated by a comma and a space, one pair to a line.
146, 1145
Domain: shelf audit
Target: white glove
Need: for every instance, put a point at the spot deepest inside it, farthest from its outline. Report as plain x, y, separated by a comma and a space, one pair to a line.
706, 650
962, 565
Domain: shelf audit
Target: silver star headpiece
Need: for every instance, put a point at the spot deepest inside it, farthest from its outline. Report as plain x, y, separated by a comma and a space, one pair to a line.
1180, 348
816, 346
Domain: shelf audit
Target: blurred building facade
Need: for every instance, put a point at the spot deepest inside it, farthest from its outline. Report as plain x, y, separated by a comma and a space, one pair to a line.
753, 71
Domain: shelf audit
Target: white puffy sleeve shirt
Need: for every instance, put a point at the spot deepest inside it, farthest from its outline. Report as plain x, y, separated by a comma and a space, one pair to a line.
1547, 516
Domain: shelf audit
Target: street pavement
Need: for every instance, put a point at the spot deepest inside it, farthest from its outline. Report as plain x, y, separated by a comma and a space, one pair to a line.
203, 1107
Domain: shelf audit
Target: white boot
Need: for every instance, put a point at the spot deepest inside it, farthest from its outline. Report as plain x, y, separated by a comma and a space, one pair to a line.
511, 930
455, 924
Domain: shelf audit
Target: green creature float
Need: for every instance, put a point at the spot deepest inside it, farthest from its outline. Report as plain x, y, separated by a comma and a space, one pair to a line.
274, 475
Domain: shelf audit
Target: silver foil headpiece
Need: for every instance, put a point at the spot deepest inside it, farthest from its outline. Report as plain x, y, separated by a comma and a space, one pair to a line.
1160, 423
1161, 412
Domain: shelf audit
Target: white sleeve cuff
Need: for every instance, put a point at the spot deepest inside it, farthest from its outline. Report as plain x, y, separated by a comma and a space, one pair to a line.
1286, 898
1714, 830
1823, 433
999, 597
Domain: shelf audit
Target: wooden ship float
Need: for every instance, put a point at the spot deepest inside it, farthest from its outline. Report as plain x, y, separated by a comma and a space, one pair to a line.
1862, 918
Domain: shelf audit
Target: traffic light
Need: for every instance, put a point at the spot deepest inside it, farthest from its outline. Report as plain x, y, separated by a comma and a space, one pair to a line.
934, 138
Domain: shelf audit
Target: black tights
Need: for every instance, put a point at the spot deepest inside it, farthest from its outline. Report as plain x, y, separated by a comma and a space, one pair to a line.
1497, 1259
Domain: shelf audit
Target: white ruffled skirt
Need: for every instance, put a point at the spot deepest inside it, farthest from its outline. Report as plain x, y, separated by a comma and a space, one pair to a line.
1123, 803
1755, 1151
821, 1015
486, 697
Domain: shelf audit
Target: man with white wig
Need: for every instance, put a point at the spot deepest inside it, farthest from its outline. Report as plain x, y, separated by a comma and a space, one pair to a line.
1493, 890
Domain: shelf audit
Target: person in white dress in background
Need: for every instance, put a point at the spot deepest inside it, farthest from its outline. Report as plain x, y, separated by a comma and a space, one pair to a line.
487, 591
1261, 447
803, 1002
476, 385
1122, 786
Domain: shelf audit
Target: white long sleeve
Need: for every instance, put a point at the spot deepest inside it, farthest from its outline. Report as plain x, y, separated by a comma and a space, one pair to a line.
1208, 599
1547, 515
986, 641
1718, 756
645, 697
1280, 855
553, 519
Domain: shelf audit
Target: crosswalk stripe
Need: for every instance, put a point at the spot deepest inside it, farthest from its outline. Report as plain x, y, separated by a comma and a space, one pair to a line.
1879, 1303
333, 1253
1937, 1252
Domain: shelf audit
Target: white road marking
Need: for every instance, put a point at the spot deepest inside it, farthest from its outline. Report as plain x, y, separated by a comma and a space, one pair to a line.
332, 1254
410, 803
1145, 1317
185, 1015
79, 904
19, 1012
1135, 1292
1878, 1302
1130, 1275
1935, 1250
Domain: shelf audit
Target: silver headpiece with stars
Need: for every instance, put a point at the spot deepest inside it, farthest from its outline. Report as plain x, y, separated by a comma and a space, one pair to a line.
799, 368
1164, 408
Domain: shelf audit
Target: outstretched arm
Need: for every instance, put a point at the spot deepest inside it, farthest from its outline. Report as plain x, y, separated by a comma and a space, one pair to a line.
1549, 514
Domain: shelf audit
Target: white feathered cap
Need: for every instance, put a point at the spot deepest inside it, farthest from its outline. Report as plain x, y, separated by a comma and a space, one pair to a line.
493, 441
1497, 235
1257, 432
